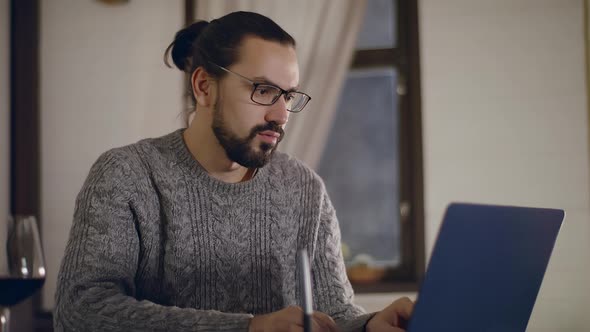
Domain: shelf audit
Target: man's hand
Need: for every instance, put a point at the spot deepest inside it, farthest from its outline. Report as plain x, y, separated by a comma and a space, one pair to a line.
393, 318
290, 319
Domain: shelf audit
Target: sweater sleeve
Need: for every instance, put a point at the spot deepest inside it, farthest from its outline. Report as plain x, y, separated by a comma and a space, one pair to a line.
334, 294
96, 288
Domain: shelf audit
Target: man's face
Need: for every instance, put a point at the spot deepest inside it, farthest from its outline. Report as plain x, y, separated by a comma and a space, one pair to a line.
250, 132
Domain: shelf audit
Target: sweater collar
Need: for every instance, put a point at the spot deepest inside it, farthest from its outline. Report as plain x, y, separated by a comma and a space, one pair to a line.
189, 163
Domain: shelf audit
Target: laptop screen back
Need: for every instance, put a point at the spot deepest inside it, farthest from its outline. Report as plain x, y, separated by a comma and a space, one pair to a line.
486, 268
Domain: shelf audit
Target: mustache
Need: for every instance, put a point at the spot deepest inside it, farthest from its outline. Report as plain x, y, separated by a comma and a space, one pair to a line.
268, 126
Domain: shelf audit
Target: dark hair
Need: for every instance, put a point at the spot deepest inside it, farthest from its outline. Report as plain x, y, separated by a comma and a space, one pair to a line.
217, 41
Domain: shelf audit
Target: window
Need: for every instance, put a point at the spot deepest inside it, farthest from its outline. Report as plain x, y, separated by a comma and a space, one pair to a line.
372, 163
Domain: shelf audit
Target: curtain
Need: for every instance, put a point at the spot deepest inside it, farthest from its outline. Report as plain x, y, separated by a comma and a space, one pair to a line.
325, 32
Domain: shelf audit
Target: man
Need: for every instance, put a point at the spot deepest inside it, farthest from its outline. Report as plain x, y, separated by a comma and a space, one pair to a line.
199, 230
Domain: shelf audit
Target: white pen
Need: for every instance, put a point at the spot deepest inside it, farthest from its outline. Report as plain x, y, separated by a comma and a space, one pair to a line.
305, 284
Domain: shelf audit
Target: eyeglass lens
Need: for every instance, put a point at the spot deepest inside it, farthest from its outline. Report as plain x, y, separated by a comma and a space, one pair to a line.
268, 95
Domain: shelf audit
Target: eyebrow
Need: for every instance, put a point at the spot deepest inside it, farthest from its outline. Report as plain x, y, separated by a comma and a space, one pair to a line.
263, 79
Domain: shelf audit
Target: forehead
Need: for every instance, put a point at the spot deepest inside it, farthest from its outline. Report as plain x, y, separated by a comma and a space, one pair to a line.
259, 58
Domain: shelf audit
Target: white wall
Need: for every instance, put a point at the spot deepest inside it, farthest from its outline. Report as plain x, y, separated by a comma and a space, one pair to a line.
4, 120
103, 84
505, 121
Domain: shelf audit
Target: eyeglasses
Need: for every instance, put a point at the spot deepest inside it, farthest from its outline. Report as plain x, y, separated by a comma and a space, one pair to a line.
268, 94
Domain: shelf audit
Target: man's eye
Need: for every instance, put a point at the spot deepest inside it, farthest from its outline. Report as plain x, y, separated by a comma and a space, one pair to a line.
289, 97
262, 91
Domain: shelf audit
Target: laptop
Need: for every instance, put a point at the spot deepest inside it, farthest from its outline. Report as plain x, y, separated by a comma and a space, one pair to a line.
486, 269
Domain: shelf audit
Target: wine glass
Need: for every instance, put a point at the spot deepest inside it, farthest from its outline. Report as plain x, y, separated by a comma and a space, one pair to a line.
24, 271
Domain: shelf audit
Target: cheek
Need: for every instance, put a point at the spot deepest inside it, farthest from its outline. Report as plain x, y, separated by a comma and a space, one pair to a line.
241, 116
241, 120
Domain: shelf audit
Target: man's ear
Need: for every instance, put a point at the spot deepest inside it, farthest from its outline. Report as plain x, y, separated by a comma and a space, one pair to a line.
203, 87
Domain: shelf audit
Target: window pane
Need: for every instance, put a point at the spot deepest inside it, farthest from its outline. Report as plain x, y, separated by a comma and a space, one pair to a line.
379, 28
360, 167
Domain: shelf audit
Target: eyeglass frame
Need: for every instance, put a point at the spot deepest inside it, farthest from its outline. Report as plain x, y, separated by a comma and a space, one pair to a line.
257, 84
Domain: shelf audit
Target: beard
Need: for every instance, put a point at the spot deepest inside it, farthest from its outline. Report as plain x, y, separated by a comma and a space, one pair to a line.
241, 150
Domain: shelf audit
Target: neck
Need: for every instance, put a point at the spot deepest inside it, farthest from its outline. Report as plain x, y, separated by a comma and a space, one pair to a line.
205, 148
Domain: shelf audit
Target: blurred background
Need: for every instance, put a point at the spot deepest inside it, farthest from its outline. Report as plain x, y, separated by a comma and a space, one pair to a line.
416, 104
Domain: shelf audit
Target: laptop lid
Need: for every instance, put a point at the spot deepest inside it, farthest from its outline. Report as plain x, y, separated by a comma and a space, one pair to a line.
486, 268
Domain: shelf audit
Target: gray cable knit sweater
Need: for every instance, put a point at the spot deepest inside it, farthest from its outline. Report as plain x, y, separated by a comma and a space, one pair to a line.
158, 244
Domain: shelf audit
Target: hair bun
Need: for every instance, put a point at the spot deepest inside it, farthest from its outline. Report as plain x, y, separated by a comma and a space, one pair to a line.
182, 46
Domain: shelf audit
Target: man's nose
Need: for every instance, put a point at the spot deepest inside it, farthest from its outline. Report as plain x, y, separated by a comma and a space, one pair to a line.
278, 112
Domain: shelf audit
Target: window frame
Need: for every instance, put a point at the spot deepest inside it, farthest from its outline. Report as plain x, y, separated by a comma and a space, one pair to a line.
404, 57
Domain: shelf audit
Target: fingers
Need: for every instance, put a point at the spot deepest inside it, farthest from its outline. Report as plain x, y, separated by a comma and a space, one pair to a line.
325, 322
392, 318
320, 322
315, 326
295, 328
404, 307
383, 326
392, 329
